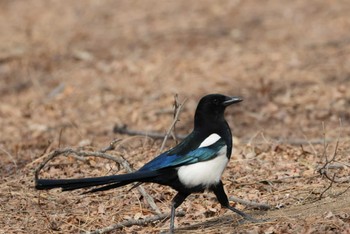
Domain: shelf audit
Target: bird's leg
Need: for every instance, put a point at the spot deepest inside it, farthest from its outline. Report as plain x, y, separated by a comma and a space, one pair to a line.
176, 202
172, 218
219, 191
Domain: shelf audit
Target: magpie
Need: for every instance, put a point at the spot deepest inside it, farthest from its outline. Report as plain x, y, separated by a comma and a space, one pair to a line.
193, 166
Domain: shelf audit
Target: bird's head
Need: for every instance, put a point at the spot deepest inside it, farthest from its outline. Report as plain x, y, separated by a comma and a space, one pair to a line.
211, 108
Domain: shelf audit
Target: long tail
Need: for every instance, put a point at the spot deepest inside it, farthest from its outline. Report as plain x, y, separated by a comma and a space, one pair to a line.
110, 182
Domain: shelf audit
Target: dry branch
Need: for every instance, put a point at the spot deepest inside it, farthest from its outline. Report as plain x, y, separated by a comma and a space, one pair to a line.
323, 171
10, 156
111, 146
328, 187
260, 206
178, 109
82, 154
130, 132
132, 222
331, 164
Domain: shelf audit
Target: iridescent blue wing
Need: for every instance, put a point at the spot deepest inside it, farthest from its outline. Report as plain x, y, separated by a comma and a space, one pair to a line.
166, 160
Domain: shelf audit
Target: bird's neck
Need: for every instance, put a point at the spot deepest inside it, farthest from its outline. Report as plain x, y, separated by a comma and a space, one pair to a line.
205, 129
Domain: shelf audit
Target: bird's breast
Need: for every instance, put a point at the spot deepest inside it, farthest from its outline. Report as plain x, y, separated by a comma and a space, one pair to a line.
204, 173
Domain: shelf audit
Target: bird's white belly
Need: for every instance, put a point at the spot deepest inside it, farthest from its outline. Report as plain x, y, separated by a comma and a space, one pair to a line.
204, 173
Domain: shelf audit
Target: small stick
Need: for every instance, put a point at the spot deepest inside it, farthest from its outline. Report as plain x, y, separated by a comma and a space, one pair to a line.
176, 107
111, 146
329, 186
176, 118
323, 170
155, 135
10, 156
261, 206
341, 193
131, 222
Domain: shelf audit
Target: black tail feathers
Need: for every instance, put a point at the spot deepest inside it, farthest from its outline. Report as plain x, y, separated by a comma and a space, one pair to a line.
110, 182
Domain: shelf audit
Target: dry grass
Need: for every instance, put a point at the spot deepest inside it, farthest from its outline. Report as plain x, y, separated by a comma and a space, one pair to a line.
70, 72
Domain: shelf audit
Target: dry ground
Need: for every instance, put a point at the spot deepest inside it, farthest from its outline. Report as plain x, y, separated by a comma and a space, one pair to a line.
71, 70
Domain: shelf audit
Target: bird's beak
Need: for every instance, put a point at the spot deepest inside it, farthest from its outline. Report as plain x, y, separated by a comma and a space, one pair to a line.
232, 100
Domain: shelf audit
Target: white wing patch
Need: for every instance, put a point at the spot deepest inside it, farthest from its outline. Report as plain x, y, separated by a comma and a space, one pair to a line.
211, 139
204, 173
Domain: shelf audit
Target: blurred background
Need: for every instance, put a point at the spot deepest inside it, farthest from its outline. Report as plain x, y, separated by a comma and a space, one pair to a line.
72, 70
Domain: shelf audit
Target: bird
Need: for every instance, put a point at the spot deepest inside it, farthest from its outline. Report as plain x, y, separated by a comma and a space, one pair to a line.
195, 165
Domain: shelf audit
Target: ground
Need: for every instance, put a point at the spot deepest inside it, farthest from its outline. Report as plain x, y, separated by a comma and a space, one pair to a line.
71, 71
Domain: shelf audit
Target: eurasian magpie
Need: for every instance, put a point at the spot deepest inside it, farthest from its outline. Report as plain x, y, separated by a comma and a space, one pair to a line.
194, 165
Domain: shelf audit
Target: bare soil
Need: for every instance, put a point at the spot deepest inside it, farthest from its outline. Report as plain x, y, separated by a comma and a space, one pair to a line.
72, 70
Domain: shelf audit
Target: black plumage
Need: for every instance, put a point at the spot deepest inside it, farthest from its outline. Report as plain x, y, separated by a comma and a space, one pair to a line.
194, 165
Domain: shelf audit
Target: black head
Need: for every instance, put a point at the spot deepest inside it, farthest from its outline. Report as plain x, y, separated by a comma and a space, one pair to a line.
211, 108
208, 119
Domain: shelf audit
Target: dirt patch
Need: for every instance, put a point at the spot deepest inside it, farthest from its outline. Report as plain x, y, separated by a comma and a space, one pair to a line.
70, 72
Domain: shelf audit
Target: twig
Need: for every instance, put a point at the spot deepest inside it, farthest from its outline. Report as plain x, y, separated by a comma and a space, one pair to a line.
111, 146
158, 135
260, 206
176, 107
176, 118
305, 141
310, 144
336, 165
51, 156
132, 222
119, 160
323, 171
141, 189
341, 193
10, 156
60, 137
130, 132
329, 186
